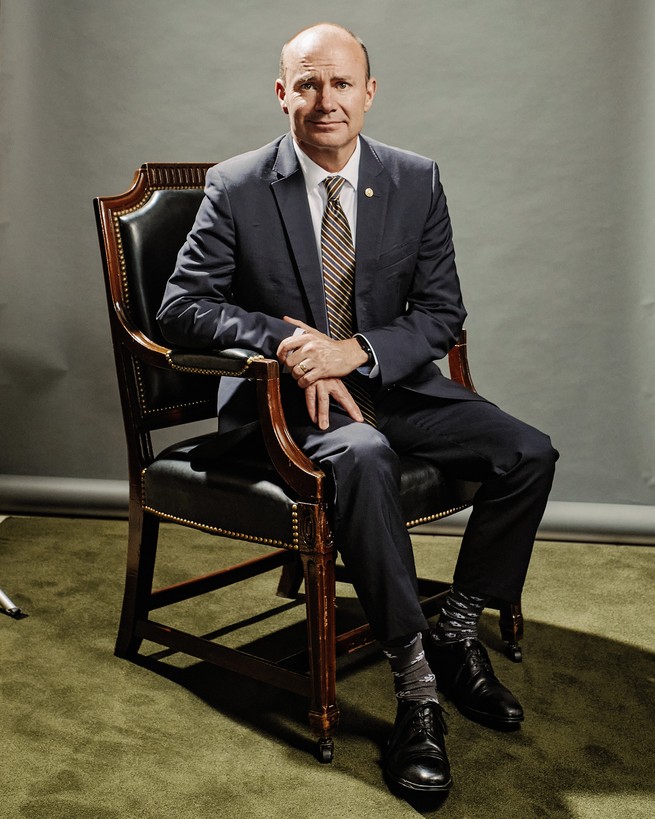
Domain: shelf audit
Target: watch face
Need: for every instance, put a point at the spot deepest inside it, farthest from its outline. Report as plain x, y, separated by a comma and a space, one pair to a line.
365, 346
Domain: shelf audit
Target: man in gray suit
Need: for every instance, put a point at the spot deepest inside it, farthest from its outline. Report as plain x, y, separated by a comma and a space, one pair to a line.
334, 253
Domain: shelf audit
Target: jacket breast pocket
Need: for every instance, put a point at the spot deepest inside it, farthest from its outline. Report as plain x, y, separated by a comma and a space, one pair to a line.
402, 255
395, 270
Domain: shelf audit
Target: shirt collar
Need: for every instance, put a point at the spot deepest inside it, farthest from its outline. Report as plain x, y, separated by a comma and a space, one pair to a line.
314, 174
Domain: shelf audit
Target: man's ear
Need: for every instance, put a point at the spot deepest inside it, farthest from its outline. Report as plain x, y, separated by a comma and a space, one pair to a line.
371, 88
281, 94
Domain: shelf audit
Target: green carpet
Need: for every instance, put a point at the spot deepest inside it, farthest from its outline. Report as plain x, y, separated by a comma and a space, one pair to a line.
84, 734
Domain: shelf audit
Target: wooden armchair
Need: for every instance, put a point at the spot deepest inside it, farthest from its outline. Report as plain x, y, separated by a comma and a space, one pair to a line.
262, 489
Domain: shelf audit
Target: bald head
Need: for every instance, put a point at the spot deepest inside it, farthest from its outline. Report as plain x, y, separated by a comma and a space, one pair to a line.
325, 89
307, 37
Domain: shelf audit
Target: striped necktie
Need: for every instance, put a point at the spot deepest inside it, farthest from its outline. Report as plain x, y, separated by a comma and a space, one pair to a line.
338, 255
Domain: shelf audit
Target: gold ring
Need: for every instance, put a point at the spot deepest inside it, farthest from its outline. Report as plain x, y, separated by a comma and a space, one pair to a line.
302, 366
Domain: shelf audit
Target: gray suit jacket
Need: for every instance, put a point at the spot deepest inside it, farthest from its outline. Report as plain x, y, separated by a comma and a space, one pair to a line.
251, 258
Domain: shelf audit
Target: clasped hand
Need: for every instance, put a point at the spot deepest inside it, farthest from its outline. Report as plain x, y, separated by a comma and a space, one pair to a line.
318, 363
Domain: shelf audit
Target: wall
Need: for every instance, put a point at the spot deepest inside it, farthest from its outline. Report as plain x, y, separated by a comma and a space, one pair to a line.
540, 115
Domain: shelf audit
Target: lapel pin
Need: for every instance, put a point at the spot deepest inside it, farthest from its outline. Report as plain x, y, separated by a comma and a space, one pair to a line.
368, 192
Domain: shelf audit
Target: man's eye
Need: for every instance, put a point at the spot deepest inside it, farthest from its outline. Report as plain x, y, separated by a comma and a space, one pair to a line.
343, 85
306, 86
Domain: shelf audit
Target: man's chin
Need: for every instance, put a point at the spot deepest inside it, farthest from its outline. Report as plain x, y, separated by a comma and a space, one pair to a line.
328, 148
326, 139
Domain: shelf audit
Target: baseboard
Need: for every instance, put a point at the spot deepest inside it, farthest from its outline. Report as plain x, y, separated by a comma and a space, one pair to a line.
74, 497
580, 522
79, 497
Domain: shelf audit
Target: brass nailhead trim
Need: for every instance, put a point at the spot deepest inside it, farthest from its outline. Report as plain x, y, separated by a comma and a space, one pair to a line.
220, 531
294, 524
117, 233
119, 241
436, 516
145, 410
203, 371
116, 216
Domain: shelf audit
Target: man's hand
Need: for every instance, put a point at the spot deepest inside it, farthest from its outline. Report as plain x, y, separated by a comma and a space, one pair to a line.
312, 356
318, 362
317, 398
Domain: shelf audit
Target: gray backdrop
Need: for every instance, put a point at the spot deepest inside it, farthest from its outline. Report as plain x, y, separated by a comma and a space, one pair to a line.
541, 116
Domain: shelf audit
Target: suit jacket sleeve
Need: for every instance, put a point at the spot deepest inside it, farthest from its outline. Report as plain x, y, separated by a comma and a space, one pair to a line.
198, 308
428, 312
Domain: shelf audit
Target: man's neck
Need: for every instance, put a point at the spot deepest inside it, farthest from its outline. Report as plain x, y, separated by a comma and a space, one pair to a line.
314, 174
331, 161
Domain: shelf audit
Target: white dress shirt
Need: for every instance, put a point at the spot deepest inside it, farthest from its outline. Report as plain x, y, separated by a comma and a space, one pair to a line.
317, 199
317, 195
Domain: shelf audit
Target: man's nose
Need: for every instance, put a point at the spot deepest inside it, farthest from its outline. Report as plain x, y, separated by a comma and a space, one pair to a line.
325, 101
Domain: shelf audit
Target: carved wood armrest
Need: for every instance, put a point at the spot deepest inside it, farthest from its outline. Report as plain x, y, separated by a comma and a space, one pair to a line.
291, 463
459, 365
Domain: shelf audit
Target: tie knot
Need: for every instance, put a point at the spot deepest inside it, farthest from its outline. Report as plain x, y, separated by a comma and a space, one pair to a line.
333, 186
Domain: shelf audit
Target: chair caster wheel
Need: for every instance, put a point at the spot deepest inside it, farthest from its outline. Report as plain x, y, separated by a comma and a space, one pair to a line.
513, 651
325, 750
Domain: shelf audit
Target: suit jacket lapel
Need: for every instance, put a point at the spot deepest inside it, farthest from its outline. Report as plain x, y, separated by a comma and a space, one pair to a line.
291, 197
372, 202
372, 199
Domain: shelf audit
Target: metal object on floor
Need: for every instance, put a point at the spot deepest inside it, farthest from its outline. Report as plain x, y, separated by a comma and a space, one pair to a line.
8, 607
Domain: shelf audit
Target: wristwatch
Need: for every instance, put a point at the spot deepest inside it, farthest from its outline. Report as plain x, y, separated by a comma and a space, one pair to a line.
363, 343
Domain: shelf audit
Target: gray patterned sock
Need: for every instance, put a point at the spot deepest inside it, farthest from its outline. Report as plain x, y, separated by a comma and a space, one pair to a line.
412, 676
459, 616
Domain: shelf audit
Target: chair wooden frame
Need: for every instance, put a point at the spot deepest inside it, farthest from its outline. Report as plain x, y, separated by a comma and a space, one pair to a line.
310, 546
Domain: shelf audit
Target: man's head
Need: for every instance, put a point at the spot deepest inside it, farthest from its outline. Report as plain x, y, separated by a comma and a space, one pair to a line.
325, 87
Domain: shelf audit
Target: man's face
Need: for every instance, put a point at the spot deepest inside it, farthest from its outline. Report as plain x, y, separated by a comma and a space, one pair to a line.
326, 94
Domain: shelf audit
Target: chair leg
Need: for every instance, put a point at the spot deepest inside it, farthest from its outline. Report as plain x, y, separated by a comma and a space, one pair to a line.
321, 635
511, 629
141, 551
291, 579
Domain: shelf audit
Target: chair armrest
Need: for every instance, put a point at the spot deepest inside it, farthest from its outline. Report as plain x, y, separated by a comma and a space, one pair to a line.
235, 361
290, 462
459, 365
